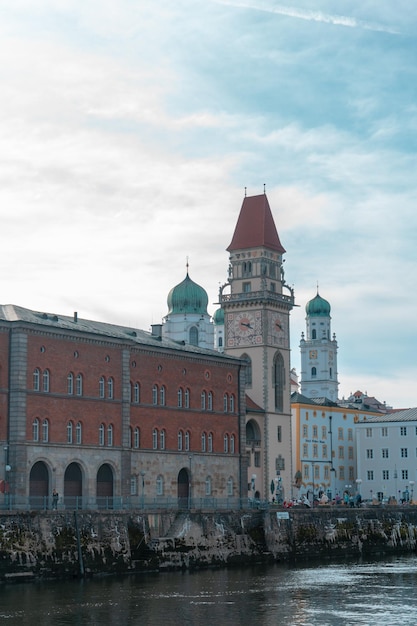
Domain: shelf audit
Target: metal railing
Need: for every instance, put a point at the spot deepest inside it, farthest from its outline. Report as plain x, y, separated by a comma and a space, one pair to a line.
119, 503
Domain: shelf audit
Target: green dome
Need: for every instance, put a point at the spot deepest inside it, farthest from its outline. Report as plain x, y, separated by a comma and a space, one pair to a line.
318, 307
187, 297
218, 317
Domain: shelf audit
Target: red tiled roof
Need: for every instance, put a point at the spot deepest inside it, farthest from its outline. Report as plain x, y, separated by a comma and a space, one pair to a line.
255, 226
252, 406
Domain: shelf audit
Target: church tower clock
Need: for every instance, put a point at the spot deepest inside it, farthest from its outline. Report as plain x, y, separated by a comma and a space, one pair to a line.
257, 302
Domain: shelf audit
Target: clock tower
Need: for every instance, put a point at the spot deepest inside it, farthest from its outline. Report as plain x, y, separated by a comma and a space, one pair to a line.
257, 302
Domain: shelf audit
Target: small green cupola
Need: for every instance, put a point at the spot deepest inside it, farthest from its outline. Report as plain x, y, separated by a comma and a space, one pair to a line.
187, 297
318, 307
218, 317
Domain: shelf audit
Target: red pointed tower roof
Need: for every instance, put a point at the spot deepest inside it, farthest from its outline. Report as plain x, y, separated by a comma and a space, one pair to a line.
255, 226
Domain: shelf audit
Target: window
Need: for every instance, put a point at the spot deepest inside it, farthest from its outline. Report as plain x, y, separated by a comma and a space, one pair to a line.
279, 434
341, 472
208, 486
70, 384
36, 379
179, 440
257, 459
248, 369
101, 435
385, 474
230, 486
315, 451
101, 387
350, 453
316, 471
110, 388
279, 381
232, 404
404, 474
79, 433
35, 430
226, 444
341, 452
136, 393
403, 431
187, 399
162, 396
187, 440
326, 472
179, 398
314, 334
384, 431
210, 442
313, 372
315, 432
351, 473
323, 432
232, 444
159, 486
306, 471
324, 451
225, 403
45, 431
79, 385
136, 438
305, 430
133, 485
69, 432
370, 474
385, 453
194, 336
162, 440
369, 454
110, 436
350, 434
203, 400
369, 432
45, 381
246, 287
203, 442
404, 453
210, 401
155, 394
155, 439
305, 449
340, 434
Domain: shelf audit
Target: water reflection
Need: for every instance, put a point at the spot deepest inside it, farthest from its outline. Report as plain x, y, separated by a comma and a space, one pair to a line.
372, 592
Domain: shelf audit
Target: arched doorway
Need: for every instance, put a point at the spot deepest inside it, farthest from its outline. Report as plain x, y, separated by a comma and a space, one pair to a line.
39, 486
73, 486
105, 487
183, 488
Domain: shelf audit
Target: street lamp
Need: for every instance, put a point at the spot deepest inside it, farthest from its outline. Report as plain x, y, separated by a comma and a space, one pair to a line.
412, 490
143, 489
358, 485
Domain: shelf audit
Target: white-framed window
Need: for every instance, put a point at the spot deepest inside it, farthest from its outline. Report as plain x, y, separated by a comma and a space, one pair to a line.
305, 430
70, 384
101, 435
162, 440
155, 394
384, 431
110, 435
225, 403
179, 397
368, 432
79, 433
232, 444
370, 474
385, 474
45, 381
45, 431
210, 442
203, 442
226, 444
385, 453
155, 439
208, 485
323, 432
69, 432
187, 399
180, 440
35, 429
324, 451
159, 486
136, 393
79, 385
210, 401
187, 440
110, 388
101, 385
315, 432
315, 450
403, 431
305, 449
232, 403
36, 379
306, 471
350, 434
230, 486
350, 453
136, 438
340, 434
341, 452
369, 453
162, 396
203, 400
133, 485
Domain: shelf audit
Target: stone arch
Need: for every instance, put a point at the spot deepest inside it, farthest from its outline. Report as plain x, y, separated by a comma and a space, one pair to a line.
104, 486
39, 485
73, 486
183, 486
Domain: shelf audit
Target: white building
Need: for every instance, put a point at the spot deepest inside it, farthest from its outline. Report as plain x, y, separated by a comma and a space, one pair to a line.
387, 455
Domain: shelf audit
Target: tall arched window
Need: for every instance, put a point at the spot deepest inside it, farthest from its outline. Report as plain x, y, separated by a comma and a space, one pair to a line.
101, 384
162, 440
136, 393
248, 369
225, 403
279, 381
45, 431
210, 401
136, 438
179, 397
210, 442
187, 440
69, 432
36, 379
203, 442
155, 439
35, 429
187, 398
226, 444
110, 388
232, 404
79, 385
162, 396
110, 435
203, 400
79, 433
70, 384
313, 372
314, 334
101, 435
232, 444
194, 336
45, 381
155, 394
180, 440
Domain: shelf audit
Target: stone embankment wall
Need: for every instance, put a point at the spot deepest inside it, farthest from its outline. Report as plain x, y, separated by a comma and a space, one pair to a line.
84, 543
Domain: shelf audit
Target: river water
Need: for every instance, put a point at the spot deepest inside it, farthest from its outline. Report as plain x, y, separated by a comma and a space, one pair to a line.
380, 592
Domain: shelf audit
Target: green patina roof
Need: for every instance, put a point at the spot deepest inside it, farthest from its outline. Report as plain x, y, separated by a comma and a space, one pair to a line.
318, 307
218, 317
187, 297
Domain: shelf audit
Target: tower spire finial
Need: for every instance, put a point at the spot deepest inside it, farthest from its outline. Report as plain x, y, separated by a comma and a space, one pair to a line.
187, 264
245, 191
264, 188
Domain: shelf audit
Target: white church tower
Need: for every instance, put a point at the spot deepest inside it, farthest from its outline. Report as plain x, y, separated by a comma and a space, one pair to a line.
318, 352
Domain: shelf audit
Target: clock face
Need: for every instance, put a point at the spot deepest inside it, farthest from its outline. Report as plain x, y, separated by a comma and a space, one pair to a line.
279, 328
244, 328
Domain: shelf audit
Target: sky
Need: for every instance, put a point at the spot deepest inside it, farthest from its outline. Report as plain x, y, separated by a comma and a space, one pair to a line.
129, 130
